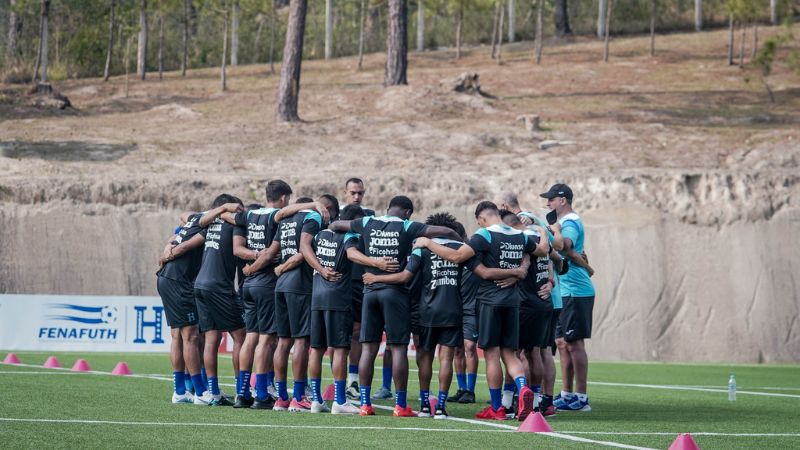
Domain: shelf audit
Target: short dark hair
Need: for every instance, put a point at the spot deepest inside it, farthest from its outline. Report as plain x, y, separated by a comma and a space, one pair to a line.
277, 189
353, 180
484, 205
253, 206
402, 202
351, 212
509, 217
442, 219
225, 198
461, 230
334, 202
304, 200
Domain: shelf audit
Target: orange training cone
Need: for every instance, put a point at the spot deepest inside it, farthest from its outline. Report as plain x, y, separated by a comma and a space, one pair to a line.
11, 358
535, 423
51, 363
81, 366
121, 369
330, 393
684, 441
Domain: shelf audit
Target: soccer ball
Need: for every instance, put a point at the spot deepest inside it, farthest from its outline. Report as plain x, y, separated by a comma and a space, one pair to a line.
109, 314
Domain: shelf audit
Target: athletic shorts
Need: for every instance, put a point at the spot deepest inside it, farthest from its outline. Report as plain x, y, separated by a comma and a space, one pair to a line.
358, 298
554, 317
534, 325
331, 329
575, 321
386, 309
430, 337
292, 315
218, 311
470, 328
498, 326
179, 304
263, 298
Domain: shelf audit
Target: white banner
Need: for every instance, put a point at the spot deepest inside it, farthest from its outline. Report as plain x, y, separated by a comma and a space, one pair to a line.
83, 323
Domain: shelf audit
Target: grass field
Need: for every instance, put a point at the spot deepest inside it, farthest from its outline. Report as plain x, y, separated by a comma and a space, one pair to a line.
637, 405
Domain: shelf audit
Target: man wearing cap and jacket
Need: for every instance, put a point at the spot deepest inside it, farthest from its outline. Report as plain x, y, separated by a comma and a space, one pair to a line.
577, 292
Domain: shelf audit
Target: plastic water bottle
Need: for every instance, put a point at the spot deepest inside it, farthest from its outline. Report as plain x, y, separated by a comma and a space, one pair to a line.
732, 388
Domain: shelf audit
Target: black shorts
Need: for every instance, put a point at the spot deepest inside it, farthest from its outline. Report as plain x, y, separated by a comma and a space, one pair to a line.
388, 309
470, 328
551, 334
358, 298
179, 304
534, 325
218, 311
575, 321
264, 299
249, 312
292, 315
498, 326
331, 329
430, 337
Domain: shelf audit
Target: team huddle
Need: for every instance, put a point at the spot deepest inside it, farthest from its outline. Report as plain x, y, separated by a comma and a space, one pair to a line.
305, 279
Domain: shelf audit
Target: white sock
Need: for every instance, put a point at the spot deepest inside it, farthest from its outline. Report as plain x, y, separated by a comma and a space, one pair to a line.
582, 397
351, 377
508, 398
537, 398
565, 394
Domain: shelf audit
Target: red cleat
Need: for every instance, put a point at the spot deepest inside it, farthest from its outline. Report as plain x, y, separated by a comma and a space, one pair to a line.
525, 407
549, 411
366, 410
281, 405
403, 412
491, 414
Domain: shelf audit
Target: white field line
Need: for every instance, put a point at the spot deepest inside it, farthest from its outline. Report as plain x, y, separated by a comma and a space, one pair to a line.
696, 433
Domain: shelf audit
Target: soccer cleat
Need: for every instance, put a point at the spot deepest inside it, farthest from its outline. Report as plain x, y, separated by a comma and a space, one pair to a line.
267, 403
525, 403
309, 392
347, 408
319, 407
301, 406
242, 402
382, 394
577, 405
272, 392
467, 397
550, 410
491, 414
562, 403
425, 411
206, 398
441, 413
366, 410
281, 405
457, 396
185, 398
405, 412
352, 391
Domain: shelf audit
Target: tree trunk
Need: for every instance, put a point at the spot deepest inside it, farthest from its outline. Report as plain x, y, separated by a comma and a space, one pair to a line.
259, 29
609, 8
562, 18
755, 41
109, 50
539, 32
420, 26
698, 15
361, 34
14, 25
127, 63
187, 4
396, 44
601, 19
42, 58
773, 12
272, 38
225, 18
500, 33
141, 54
161, 42
741, 45
653, 8
459, 25
235, 34
328, 29
512, 20
289, 88
495, 26
730, 40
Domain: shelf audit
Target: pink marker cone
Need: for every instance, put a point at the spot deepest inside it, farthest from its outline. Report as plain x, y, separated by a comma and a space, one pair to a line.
253, 381
11, 358
684, 441
330, 393
433, 402
121, 369
81, 366
535, 423
52, 363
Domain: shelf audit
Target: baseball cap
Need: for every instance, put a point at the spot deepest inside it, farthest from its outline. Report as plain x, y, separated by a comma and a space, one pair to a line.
558, 190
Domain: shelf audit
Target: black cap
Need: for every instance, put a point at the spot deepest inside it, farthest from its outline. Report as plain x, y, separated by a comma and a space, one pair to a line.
558, 190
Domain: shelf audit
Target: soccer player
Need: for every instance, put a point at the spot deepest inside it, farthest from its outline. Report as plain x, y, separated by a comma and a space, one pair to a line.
386, 306
498, 246
577, 292
465, 359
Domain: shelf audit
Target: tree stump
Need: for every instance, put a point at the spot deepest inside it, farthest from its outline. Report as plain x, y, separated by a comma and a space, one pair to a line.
468, 83
46, 96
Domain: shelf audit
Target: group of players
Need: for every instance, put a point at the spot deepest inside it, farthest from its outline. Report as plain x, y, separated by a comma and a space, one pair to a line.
295, 280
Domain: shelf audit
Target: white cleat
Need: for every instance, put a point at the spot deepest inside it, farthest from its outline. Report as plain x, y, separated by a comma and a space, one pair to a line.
207, 399
272, 392
185, 398
319, 407
346, 408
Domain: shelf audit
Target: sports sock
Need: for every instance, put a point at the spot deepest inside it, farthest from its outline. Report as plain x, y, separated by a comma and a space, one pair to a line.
299, 389
423, 399
261, 386
244, 383
213, 385
521, 383
387, 378
187, 382
282, 392
199, 386
509, 387
496, 398
582, 397
507, 398
270, 378
366, 398
400, 399
472, 379
352, 374
238, 382
315, 393
442, 400
204, 375
462, 381
565, 395
178, 379
339, 389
